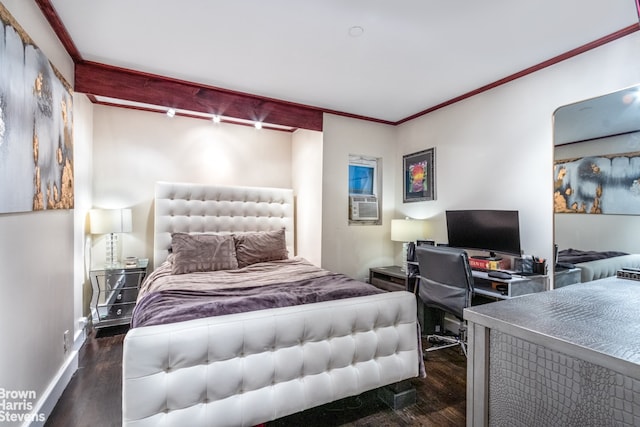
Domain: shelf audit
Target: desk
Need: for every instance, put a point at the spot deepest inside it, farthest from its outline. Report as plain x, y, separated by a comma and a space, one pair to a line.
516, 286
567, 357
432, 319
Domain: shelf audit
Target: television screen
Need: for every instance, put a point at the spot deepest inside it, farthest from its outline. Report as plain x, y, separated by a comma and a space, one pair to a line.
361, 179
485, 230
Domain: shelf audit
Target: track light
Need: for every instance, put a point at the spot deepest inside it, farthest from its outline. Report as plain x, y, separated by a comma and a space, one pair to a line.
216, 118
258, 125
171, 112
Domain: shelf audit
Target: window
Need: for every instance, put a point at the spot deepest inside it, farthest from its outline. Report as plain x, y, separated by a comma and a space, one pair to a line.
363, 175
363, 190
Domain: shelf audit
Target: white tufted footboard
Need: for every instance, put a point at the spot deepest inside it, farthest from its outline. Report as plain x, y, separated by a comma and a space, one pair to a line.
248, 368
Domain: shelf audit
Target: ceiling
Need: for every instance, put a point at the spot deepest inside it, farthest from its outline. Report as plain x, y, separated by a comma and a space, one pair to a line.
376, 59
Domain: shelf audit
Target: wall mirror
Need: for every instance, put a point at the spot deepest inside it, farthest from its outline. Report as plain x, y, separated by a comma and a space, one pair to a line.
596, 204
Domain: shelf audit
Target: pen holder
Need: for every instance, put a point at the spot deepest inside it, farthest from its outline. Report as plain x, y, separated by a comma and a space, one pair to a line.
539, 267
523, 264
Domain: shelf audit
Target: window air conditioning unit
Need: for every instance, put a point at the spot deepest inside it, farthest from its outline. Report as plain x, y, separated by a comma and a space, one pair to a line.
363, 208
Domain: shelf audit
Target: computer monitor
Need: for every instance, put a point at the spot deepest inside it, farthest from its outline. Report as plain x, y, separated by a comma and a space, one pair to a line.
492, 231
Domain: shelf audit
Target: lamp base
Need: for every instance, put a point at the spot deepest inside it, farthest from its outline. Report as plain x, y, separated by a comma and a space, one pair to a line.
404, 266
111, 259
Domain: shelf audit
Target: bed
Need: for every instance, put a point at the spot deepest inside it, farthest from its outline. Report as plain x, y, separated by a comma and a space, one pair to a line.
244, 368
596, 265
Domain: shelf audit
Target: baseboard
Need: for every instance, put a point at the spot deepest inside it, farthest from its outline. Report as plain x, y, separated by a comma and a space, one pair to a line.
81, 335
56, 387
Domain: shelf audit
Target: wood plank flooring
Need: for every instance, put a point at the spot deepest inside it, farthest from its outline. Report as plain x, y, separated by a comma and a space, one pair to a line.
93, 397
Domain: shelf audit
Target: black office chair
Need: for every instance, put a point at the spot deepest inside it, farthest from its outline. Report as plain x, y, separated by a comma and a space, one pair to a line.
446, 284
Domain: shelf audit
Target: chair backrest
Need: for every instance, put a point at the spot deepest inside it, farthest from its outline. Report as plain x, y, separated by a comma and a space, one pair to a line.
445, 278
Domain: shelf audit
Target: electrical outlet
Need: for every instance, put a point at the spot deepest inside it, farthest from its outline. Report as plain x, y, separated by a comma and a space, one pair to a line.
65, 341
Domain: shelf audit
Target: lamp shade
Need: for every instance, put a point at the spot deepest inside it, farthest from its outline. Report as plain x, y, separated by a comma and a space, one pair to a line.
105, 221
408, 230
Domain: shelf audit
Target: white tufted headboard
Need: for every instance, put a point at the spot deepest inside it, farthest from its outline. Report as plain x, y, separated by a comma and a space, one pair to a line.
203, 208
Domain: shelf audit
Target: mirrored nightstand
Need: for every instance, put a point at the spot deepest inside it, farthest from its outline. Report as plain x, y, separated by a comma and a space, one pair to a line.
115, 290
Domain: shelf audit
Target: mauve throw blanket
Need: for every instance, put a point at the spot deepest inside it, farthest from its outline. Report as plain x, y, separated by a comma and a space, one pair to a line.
279, 284
576, 256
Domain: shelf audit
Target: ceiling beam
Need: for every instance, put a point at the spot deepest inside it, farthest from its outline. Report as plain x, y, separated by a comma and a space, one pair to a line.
104, 80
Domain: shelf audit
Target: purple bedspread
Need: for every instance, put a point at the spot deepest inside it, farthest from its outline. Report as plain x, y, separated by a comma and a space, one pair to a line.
575, 256
177, 305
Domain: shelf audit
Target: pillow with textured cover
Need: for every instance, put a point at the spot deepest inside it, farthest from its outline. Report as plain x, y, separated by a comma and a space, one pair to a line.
260, 247
202, 252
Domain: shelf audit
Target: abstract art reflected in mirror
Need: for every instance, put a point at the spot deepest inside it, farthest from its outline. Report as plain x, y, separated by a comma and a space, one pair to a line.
606, 184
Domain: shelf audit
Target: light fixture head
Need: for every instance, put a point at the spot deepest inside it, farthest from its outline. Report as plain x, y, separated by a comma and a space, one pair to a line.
408, 230
105, 221
171, 112
258, 125
110, 222
215, 118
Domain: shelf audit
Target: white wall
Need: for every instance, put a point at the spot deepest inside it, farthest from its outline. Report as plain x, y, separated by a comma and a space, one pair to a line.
307, 186
352, 249
495, 150
38, 255
484, 160
134, 149
83, 172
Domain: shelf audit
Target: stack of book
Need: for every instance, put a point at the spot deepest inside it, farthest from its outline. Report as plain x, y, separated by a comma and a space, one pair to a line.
487, 264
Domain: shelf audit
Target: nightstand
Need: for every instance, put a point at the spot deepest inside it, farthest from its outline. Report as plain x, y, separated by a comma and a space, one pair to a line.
390, 278
115, 290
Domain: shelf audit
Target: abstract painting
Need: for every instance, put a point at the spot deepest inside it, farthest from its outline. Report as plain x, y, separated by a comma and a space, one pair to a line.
419, 176
607, 184
36, 126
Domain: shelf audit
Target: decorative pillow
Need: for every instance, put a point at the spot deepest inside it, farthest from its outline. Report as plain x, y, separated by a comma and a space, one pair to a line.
202, 252
260, 247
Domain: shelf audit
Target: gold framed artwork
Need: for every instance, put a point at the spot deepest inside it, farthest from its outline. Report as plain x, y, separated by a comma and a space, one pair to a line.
36, 126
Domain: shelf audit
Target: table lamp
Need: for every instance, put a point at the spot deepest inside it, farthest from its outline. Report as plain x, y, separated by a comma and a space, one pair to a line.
406, 231
110, 222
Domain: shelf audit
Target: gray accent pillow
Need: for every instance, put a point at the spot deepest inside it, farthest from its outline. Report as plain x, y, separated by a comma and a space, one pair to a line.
260, 247
202, 252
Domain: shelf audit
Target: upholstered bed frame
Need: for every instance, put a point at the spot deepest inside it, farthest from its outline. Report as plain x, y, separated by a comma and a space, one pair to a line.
601, 268
247, 368
194, 208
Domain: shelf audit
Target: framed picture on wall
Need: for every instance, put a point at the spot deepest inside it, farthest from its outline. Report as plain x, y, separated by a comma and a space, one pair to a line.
419, 176
36, 126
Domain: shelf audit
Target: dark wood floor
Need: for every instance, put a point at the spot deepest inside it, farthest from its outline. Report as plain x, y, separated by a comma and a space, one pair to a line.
93, 397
